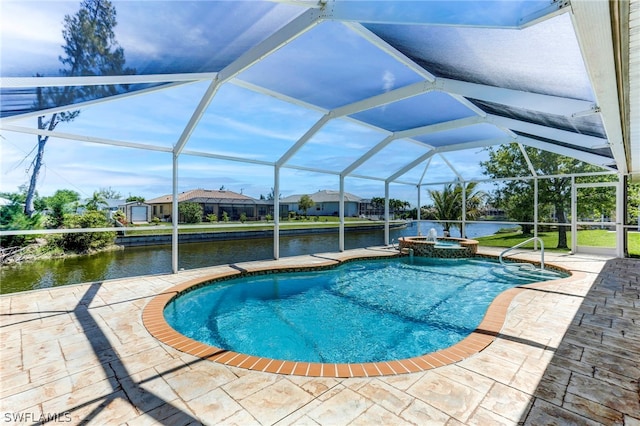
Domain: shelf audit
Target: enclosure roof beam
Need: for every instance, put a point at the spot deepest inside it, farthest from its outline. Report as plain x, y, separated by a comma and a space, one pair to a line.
457, 147
573, 138
390, 50
532, 169
409, 133
385, 98
286, 34
303, 140
366, 177
87, 104
277, 95
311, 169
453, 169
411, 165
365, 104
515, 98
226, 157
102, 80
597, 160
91, 139
424, 172
341, 11
474, 144
196, 116
439, 127
373, 151
298, 26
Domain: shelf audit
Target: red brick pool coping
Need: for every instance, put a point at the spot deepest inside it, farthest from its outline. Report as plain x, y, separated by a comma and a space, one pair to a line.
479, 339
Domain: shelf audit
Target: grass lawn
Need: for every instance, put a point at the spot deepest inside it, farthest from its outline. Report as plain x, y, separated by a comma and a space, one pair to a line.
591, 238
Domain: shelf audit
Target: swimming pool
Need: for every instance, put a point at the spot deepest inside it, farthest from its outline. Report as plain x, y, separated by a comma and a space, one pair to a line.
358, 312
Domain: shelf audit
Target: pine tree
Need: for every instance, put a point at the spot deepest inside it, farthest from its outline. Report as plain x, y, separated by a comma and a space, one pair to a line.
91, 49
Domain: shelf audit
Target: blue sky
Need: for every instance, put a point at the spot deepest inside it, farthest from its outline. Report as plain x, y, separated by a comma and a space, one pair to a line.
238, 122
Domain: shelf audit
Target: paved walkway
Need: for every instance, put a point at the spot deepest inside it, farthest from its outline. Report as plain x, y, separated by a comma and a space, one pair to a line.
566, 354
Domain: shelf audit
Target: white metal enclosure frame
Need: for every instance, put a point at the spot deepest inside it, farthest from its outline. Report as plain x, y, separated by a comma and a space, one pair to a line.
527, 117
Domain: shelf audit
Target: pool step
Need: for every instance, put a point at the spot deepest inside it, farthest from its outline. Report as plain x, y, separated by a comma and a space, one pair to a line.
525, 271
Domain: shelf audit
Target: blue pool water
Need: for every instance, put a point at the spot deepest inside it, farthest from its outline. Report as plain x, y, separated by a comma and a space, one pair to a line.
441, 243
364, 311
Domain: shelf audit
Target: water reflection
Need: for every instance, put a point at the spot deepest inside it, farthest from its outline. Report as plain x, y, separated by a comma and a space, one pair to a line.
157, 259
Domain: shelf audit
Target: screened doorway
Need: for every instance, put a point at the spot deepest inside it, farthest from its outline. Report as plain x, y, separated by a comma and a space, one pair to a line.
595, 218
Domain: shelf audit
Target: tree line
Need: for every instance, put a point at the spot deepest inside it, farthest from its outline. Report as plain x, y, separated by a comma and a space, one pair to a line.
517, 196
62, 210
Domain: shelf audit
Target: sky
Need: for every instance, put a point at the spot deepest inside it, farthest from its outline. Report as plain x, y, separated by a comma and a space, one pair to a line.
238, 122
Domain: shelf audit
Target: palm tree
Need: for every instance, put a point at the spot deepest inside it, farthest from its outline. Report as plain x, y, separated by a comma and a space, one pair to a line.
447, 204
475, 200
95, 201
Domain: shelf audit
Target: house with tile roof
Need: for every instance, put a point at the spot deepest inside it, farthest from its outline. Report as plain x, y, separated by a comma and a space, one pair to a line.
326, 203
213, 202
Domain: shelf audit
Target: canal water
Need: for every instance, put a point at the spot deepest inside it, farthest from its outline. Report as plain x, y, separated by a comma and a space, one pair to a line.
150, 260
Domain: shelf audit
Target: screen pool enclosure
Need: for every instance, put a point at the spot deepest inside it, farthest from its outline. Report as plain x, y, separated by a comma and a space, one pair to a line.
399, 93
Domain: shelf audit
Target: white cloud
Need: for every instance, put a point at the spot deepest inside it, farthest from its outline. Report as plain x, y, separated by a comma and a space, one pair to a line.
43, 25
388, 80
31, 36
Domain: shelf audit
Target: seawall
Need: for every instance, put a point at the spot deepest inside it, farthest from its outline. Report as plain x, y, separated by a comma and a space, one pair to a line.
149, 240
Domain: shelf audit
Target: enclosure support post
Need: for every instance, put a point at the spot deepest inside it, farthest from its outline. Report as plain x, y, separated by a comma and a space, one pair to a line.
574, 216
418, 215
535, 212
276, 212
174, 216
463, 225
341, 209
386, 213
621, 215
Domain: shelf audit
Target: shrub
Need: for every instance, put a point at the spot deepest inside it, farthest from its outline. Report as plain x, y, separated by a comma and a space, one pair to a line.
120, 217
82, 242
225, 217
155, 220
243, 217
212, 218
268, 217
12, 217
190, 212
63, 202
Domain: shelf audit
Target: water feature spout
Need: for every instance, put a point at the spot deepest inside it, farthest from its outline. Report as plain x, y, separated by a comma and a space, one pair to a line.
433, 235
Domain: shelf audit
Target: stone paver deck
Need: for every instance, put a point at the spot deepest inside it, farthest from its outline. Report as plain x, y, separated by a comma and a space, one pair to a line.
568, 353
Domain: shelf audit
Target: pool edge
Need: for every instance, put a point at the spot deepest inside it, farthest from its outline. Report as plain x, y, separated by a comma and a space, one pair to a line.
485, 334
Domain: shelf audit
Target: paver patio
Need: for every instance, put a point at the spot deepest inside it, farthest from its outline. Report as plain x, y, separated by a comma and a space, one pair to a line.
567, 354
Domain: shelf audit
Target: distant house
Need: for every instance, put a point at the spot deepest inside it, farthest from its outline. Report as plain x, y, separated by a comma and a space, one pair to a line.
326, 203
371, 210
213, 202
494, 212
111, 205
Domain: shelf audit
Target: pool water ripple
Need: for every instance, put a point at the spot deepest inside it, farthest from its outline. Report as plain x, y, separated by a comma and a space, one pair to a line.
365, 311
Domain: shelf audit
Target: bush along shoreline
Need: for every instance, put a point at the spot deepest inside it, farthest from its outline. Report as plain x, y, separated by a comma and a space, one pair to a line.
87, 243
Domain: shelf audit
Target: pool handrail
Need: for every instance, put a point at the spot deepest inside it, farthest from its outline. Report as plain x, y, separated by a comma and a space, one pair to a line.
523, 243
